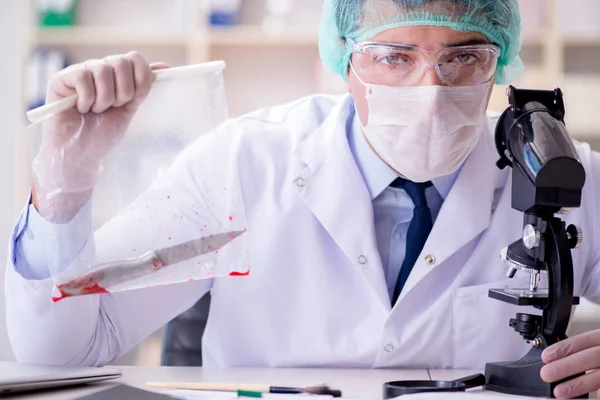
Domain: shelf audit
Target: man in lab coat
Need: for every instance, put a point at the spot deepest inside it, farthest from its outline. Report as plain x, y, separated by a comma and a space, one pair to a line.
375, 219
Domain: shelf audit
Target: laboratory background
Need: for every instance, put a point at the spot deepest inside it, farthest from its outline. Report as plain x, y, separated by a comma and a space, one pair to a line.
270, 49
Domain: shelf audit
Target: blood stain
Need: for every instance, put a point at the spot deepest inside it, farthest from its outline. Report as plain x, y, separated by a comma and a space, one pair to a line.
81, 286
236, 273
230, 218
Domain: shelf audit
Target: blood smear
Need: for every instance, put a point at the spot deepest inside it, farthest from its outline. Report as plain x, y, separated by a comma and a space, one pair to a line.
93, 289
156, 265
235, 273
81, 286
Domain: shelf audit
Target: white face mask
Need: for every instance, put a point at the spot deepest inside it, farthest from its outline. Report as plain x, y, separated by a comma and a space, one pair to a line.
424, 132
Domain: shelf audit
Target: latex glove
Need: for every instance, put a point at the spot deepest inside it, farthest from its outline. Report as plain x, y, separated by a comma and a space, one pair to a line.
75, 142
580, 353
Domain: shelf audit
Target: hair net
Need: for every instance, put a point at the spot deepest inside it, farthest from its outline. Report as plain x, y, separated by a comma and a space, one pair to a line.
359, 20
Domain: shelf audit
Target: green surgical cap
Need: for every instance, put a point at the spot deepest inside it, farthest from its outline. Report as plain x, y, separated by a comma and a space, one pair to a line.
360, 20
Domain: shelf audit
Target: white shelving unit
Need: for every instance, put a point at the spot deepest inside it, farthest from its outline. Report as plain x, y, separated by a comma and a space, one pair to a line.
561, 48
290, 57
249, 51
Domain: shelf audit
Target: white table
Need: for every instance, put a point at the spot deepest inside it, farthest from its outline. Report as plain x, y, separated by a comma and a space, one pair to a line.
354, 383
448, 375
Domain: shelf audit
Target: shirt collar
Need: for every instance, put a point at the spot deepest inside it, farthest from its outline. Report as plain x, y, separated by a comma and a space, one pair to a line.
375, 172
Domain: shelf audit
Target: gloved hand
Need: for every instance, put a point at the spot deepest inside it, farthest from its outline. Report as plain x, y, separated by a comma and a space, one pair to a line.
580, 353
75, 142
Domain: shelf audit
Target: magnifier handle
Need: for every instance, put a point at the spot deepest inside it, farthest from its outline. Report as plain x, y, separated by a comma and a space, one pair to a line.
472, 381
39, 114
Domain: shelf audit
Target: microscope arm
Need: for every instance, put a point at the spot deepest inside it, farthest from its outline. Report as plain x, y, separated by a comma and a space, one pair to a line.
560, 279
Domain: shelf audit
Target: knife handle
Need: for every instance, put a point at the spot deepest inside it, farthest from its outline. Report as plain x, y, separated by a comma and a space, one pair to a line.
107, 275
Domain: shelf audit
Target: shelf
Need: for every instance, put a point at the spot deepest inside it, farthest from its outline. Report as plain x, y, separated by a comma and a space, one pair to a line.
581, 94
232, 36
533, 40
106, 36
581, 40
255, 35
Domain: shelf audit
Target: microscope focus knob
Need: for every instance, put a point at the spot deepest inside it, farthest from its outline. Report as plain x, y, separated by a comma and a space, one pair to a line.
528, 326
575, 236
531, 237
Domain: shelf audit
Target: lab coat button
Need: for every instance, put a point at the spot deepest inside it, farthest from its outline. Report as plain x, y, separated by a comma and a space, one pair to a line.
30, 235
300, 182
362, 260
429, 259
389, 348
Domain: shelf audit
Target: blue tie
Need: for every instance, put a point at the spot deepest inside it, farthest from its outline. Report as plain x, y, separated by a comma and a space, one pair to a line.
418, 230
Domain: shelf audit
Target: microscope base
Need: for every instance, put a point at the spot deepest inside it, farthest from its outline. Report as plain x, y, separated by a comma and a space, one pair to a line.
520, 377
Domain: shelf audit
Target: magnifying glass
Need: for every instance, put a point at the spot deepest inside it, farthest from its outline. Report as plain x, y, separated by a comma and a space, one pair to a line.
400, 388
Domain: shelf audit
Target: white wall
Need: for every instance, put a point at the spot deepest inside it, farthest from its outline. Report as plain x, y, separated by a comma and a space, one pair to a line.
12, 162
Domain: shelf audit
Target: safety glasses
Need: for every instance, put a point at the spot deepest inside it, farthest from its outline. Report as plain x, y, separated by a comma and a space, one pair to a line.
404, 65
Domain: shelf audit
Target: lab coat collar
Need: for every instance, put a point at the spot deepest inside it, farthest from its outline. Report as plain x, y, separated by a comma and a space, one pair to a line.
467, 210
332, 187
375, 172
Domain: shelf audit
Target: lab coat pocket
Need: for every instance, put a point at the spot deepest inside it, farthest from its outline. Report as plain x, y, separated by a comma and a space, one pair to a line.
480, 326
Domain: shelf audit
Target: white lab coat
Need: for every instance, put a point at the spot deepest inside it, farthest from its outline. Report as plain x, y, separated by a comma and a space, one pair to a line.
316, 294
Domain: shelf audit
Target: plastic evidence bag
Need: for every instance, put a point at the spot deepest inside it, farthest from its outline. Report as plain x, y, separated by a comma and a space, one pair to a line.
147, 218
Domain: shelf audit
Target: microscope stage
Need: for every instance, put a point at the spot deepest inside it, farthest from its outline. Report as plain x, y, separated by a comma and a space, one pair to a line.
523, 297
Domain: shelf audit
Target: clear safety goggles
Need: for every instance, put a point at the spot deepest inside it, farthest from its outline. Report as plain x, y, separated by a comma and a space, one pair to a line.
404, 65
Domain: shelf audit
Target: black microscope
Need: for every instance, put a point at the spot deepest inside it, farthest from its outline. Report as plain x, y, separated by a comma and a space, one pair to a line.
547, 179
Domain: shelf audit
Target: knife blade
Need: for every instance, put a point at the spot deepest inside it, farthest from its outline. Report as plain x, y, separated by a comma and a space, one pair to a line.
114, 273
193, 248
